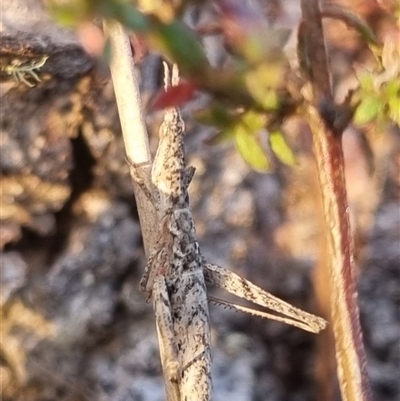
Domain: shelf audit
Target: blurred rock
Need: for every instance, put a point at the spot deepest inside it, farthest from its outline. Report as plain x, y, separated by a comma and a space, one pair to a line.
13, 271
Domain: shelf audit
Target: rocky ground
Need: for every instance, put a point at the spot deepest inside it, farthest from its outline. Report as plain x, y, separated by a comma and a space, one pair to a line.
74, 325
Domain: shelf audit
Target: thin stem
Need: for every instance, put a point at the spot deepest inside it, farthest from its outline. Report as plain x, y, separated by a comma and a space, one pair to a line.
350, 354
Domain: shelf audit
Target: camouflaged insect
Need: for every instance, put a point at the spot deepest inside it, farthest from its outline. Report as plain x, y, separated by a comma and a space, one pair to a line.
176, 274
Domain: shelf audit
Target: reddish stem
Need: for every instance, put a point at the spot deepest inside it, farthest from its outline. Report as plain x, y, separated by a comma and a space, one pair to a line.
350, 354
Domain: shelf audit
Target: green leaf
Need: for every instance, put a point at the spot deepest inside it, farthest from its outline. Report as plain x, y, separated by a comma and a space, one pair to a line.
367, 110
366, 80
392, 88
394, 110
181, 45
252, 121
69, 13
74, 11
262, 81
251, 150
223, 136
132, 18
281, 149
216, 115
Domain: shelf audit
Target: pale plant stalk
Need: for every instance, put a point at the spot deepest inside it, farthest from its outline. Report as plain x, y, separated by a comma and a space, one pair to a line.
134, 131
127, 94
